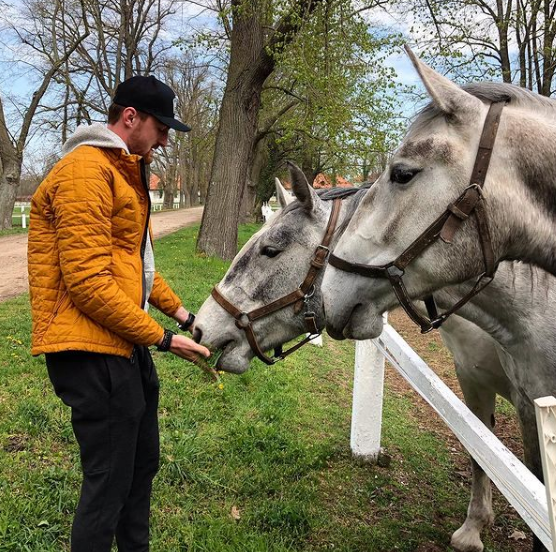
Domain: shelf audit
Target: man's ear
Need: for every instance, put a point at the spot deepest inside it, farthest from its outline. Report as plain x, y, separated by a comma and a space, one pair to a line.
128, 116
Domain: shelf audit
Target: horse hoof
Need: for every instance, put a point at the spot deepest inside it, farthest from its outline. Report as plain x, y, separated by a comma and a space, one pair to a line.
466, 540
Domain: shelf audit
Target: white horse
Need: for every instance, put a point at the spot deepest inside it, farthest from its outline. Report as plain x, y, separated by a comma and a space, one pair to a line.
428, 171
275, 261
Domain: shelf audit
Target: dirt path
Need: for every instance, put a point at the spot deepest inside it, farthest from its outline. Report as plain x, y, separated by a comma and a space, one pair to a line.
13, 249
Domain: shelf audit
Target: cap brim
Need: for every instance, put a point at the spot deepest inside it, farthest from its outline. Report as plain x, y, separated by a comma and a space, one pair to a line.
173, 123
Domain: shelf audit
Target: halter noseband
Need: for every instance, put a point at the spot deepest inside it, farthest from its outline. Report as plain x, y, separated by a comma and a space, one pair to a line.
299, 297
444, 228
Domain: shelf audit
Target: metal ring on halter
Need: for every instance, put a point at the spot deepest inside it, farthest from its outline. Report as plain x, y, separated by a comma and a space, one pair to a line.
309, 294
243, 321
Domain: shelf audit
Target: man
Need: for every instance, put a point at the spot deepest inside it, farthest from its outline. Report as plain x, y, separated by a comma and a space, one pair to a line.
91, 277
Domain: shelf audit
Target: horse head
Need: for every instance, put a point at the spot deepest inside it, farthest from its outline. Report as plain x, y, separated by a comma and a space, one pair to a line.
427, 174
272, 264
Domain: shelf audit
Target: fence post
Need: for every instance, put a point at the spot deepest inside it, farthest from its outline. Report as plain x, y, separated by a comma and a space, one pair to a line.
545, 410
366, 418
23, 221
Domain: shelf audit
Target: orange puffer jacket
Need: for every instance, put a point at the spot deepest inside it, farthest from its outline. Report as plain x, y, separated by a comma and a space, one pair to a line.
88, 225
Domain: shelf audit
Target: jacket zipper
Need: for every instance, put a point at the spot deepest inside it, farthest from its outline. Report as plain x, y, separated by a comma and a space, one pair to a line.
143, 172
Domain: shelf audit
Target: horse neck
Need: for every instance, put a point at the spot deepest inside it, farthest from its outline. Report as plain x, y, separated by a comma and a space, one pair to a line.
523, 189
349, 205
517, 307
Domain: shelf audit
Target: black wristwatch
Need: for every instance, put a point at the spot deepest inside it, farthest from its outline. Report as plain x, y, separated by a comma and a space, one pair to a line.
166, 341
188, 324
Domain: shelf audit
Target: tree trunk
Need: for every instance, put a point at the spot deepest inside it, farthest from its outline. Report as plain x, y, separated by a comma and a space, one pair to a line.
9, 185
233, 150
249, 210
168, 199
502, 25
186, 178
186, 198
251, 63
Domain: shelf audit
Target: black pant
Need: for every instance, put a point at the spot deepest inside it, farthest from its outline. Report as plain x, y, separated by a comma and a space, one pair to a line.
114, 402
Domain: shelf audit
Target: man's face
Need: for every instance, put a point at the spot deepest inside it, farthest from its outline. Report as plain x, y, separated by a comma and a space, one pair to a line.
147, 134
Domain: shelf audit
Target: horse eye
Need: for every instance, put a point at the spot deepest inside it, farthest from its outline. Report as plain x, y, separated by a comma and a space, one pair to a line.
268, 251
402, 175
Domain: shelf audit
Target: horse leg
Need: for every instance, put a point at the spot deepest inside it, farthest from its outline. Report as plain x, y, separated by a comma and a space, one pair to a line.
479, 512
481, 377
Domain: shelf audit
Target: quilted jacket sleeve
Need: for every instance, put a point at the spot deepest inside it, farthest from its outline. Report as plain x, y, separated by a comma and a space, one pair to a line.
162, 297
82, 213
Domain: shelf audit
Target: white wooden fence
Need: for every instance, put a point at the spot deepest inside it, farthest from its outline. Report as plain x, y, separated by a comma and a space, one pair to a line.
22, 205
534, 503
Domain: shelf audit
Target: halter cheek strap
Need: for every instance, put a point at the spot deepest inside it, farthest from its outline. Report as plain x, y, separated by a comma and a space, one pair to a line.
299, 298
471, 201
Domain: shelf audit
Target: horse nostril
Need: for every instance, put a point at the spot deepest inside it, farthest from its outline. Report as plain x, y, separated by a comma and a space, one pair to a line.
197, 335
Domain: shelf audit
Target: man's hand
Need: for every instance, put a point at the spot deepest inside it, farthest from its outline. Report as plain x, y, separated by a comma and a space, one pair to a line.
187, 348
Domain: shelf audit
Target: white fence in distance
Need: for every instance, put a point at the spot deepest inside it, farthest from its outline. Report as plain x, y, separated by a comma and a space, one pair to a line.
22, 205
529, 497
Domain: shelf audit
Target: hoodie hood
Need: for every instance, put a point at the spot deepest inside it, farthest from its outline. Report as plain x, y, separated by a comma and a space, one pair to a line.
97, 135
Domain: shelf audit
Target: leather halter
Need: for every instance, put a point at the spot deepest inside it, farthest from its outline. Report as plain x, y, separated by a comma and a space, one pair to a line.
444, 227
298, 298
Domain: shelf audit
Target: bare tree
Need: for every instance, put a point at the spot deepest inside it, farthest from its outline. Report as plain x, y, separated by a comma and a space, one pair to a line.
126, 38
474, 38
45, 22
183, 166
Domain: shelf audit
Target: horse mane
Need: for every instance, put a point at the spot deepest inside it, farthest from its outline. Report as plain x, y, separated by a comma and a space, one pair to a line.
331, 194
491, 92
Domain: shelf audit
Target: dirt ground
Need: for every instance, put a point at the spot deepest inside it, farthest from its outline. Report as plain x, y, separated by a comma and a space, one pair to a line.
13, 249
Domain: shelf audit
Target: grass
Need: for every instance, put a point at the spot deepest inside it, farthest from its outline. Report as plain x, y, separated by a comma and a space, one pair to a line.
260, 465
17, 222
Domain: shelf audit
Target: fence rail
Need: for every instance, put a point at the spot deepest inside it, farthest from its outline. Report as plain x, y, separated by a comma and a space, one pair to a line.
521, 488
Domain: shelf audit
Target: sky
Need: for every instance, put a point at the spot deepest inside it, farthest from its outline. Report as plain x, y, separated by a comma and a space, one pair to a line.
16, 79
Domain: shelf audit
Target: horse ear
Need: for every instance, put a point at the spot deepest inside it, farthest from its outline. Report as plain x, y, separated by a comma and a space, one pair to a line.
446, 95
302, 190
284, 197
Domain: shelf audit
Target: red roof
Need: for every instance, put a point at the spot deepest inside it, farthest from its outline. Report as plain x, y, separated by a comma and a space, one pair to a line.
323, 181
154, 182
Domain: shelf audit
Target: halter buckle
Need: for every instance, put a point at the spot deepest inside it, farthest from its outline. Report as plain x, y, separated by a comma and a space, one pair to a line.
476, 186
319, 256
394, 272
243, 321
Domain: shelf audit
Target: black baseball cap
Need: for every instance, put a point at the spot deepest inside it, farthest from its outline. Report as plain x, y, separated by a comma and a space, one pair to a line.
150, 95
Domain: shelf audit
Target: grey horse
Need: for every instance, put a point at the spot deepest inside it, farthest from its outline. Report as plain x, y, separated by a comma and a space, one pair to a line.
427, 173
273, 263
432, 165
